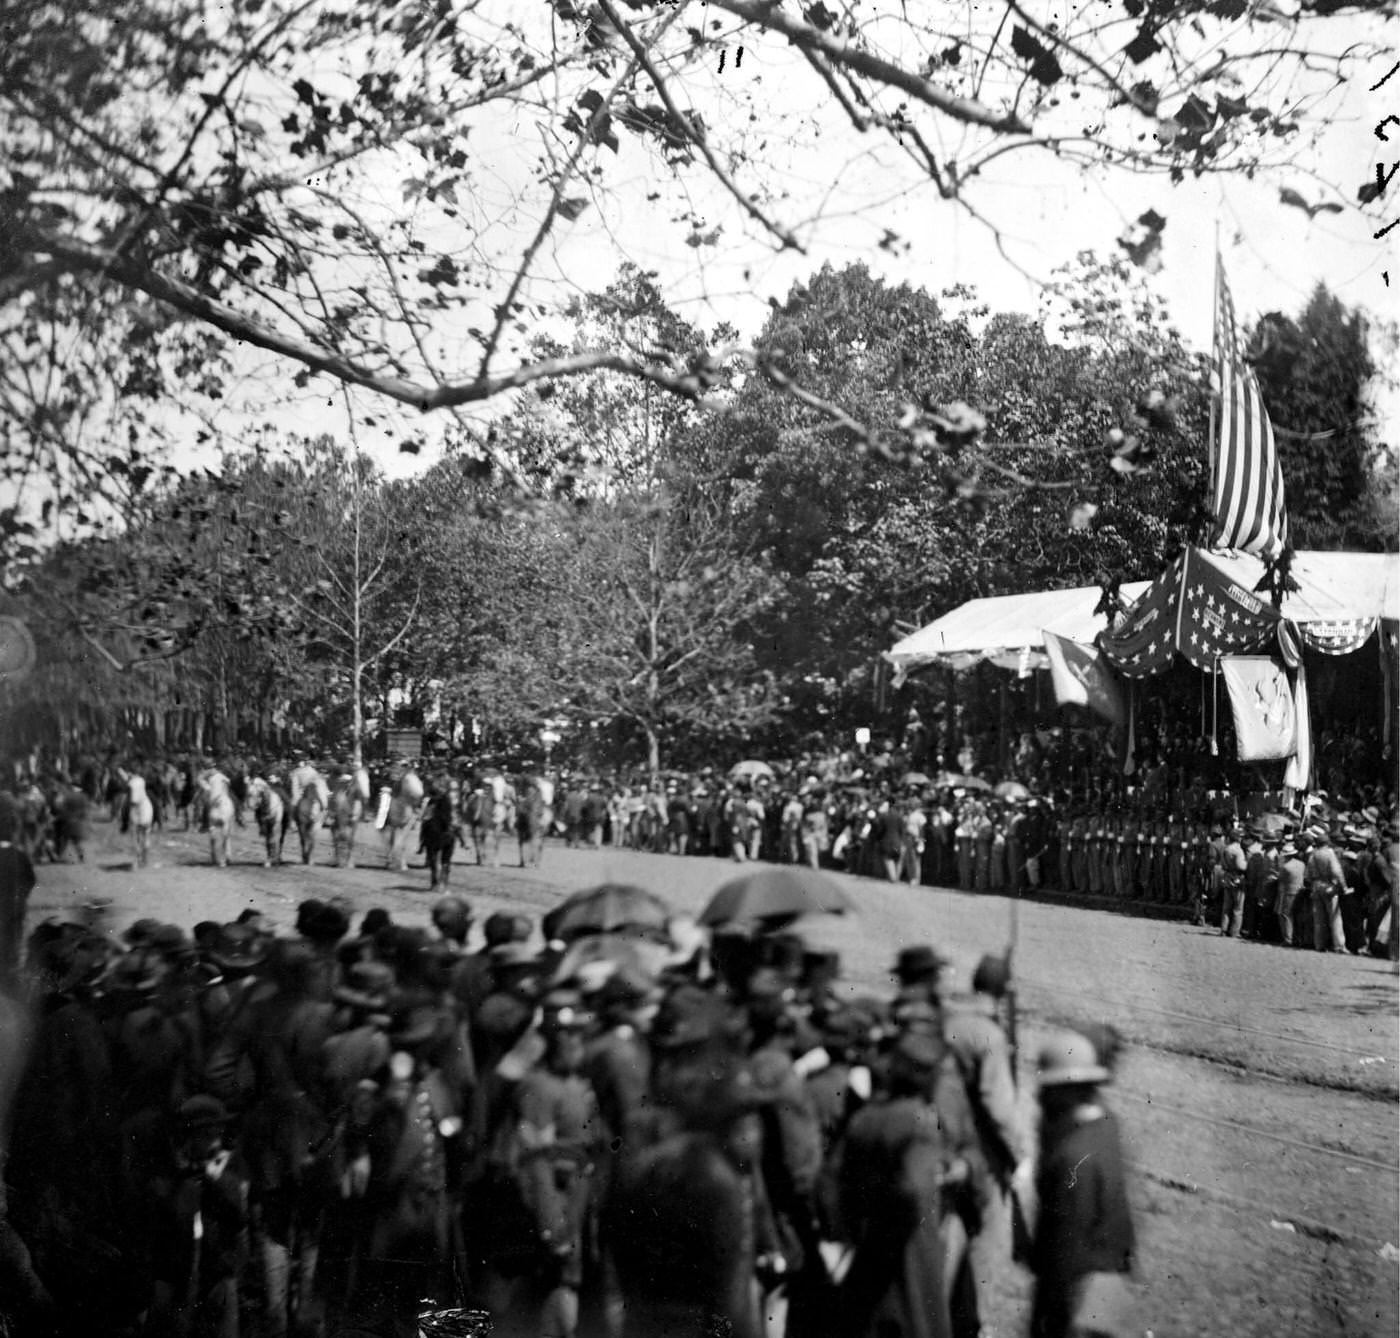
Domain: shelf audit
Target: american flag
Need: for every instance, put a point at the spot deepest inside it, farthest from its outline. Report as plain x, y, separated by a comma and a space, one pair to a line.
1144, 641
1217, 617
1247, 487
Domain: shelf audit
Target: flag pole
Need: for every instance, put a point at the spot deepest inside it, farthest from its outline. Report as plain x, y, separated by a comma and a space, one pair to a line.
1214, 389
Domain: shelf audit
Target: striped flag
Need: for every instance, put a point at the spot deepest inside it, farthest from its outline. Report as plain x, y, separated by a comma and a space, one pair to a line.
1247, 487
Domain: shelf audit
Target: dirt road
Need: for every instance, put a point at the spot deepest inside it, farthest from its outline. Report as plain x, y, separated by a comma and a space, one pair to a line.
1259, 1092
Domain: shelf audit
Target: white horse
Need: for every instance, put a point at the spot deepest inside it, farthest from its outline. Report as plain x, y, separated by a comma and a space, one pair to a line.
140, 814
220, 809
405, 805
273, 814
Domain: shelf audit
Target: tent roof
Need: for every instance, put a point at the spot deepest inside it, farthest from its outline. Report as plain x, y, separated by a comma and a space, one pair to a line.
1335, 587
1009, 622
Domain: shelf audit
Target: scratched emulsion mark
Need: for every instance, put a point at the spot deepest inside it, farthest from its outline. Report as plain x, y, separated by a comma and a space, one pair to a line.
1074, 1170
1382, 176
739, 60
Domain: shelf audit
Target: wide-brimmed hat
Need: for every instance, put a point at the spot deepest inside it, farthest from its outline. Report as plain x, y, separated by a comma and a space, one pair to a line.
1067, 1058
918, 962
201, 1112
238, 947
368, 986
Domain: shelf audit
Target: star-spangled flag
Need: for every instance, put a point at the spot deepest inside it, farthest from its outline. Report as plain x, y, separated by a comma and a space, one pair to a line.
1080, 677
1261, 699
1247, 480
1144, 642
1216, 617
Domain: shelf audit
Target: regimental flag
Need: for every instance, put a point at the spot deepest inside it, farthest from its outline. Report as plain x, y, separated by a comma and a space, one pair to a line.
1247, 486
1261, 697
1215, 616
1081, 678
1144, 642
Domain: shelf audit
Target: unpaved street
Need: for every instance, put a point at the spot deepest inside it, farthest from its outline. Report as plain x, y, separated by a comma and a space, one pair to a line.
1259, 1091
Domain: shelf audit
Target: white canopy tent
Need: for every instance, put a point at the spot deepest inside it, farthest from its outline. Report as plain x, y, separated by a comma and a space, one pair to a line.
1006, 629
1338, 592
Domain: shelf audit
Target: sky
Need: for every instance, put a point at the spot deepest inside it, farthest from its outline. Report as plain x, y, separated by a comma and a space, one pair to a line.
844, 191
1046, 211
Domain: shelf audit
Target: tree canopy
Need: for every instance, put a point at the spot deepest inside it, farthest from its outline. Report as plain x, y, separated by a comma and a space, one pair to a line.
241, 205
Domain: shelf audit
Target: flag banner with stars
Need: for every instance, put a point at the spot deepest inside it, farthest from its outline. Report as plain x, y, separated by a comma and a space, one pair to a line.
1216, 617
1144, 642
1338, 638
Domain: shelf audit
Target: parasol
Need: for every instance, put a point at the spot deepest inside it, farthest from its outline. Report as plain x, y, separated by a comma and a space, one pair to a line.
605, 910
1011, 790
617, 950
775, 893
751, 769
954, 781
915, 778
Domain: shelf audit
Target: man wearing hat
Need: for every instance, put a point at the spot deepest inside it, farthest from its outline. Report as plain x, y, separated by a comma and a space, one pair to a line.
1292, 877
193, 1209
891, 1176
1325, 880
557, 1136
1084, 1243
1233, 863
976, 1040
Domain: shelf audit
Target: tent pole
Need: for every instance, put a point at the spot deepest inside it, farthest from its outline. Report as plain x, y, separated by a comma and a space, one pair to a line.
1214, 389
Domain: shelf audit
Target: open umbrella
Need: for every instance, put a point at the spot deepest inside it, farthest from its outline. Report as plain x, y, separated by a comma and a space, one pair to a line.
750, 769
957, 782
775, 893
1011, 790
605, 910
915, 778
620, 951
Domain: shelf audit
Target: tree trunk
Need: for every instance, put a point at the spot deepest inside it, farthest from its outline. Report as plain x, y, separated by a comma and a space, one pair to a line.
653, 755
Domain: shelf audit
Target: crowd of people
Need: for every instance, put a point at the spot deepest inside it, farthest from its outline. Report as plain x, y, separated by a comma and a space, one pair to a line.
1162, 841
231, 1131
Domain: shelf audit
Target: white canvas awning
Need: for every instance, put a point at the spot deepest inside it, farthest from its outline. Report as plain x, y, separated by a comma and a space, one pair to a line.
1007, 629
1334, 587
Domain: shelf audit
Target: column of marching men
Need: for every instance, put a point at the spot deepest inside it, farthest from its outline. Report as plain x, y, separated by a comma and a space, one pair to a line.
1195, 853
232, 1132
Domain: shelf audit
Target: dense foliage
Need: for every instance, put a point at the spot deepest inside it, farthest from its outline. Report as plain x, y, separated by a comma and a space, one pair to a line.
674, 583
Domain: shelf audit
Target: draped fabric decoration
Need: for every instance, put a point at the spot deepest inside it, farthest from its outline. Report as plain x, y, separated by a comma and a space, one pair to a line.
1261, 699
1298, 773
1144, 642
1216, 616
1338, 638
1247, 481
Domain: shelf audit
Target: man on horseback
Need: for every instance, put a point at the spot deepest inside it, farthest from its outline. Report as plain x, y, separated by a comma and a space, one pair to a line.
272, 811
343, 813
309, 796
405, 807
220, 810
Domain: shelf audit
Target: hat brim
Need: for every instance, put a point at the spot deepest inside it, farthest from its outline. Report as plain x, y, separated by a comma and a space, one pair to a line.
1084, 1073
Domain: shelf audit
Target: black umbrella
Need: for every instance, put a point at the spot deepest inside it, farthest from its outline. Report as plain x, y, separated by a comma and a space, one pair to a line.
607, 909
775, 893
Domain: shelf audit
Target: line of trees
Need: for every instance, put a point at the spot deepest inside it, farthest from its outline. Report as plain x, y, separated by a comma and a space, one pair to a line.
675, 584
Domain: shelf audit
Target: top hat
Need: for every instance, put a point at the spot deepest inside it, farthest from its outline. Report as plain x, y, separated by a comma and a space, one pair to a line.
919, 962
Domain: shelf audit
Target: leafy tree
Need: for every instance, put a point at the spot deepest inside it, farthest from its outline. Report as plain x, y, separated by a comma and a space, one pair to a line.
653, 622
1027, 503
181, 180
1315, 373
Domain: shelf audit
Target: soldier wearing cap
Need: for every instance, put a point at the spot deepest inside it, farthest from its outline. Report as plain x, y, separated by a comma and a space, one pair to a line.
1083, 1242
1326, 879
1233, 863
892, 1171
558, 1135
